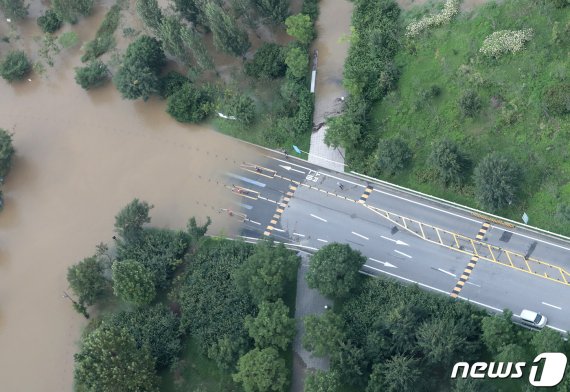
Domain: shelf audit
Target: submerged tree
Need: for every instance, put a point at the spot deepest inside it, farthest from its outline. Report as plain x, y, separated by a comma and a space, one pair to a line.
228, 36
87, 281
7, 152
274, 10
15, 66
150, 13
129, 221
70, 10
14, 9
94, 74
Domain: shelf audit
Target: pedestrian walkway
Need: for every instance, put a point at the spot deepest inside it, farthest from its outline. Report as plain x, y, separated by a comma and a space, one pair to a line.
308, 302
332, 25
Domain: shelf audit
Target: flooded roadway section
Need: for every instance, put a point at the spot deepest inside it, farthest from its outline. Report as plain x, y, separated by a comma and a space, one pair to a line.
80, 158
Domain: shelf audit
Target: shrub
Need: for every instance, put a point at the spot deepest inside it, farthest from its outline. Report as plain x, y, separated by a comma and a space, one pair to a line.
557, 99
15, 66
561, 3
448, 162
497, 181
394, 155
239, 106
189, 104
469, 103
504, 41
563, 213
450, 9
68, 39
49, 22
268, 62
94, 74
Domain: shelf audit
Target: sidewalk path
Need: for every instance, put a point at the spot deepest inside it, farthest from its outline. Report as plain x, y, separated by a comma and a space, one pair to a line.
308, 302
333, 24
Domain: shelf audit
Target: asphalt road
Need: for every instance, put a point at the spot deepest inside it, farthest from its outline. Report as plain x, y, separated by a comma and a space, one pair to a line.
299, 203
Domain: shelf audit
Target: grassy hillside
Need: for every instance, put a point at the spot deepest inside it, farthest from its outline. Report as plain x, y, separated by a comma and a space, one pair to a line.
513, 118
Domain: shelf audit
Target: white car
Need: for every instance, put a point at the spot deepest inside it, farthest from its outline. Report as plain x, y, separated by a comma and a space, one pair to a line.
532, 318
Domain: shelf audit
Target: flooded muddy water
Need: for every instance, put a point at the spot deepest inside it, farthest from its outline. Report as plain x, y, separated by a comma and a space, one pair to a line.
80, 158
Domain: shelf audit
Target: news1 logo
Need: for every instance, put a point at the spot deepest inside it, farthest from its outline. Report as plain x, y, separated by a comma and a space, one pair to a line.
553, 368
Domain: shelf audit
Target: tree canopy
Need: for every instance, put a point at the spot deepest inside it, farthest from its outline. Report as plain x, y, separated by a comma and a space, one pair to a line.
262, 371
497, 181
129, 221
272, 327
109, 360
334, 270
268, 62
87, 281
323, 334
133, 282
394, 155
320, 381
190, 104
301, 28
267, 271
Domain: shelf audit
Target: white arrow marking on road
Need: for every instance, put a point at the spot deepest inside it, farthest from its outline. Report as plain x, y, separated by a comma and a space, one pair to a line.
447, 272
289, 168
398, 242
552, 306
403, 254
319, 218
360, 235
384, 263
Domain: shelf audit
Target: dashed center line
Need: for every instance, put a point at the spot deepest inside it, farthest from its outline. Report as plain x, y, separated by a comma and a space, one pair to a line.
552, 306
319, 218
360, 235
320, 239
403, 254
473, 284
300, 235
447, 272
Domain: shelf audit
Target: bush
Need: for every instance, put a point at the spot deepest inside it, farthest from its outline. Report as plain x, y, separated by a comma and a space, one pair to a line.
469, 103
448, 162
268, 62
171, 82
239, 106
497, 181
557, 99
394, 155
505, 41
49, 22
15, 66
68, 39
94, 74
561, 3
190, 104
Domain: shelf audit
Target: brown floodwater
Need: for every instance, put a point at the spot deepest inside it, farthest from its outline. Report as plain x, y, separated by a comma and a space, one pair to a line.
80, 158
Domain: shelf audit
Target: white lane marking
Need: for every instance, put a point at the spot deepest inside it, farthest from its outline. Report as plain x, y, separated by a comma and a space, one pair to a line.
255, 240
384, 263
319, 218
276, 229
403, 254
447, 293
431, 207
447, 272
320, 239
289, 168
552, 306
252, 221
360, 235
398, 242
473, 284
300, 235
